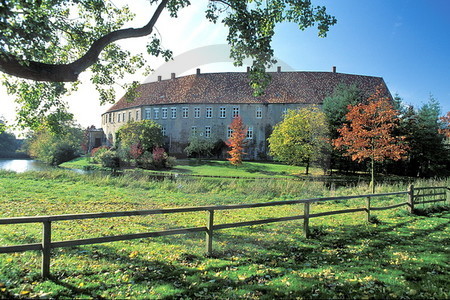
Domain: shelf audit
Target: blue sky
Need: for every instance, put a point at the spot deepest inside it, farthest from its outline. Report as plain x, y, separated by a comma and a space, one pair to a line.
405, 42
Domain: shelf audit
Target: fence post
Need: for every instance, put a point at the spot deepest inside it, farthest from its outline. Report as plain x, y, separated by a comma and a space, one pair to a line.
46, 248
368, 209
411, 198
209, 232
446, 195
306, 231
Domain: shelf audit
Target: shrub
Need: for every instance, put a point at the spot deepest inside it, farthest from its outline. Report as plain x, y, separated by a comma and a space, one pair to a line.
55, 148
109, 159
159, 158
96, 152
64, 152
146, 160
171, 162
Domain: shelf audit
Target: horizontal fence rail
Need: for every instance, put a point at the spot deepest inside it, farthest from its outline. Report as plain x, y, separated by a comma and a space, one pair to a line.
47, 245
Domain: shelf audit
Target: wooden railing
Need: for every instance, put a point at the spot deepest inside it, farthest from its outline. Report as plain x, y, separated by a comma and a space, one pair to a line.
437, 193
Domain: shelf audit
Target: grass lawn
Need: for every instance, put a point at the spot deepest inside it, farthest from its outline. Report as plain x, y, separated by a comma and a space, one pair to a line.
217, 168
247, 169
401, 256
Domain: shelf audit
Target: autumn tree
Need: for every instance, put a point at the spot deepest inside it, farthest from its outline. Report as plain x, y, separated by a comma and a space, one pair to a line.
301, 138
45, 45
445, 128
237, 141
369, 133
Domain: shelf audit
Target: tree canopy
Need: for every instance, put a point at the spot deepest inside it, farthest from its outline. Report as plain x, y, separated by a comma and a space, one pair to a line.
369, 135
301, 138
55, 149
237, 141
47, 43
145, 134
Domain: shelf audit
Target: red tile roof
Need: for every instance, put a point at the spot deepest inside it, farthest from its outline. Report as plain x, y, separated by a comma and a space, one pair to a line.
233, 88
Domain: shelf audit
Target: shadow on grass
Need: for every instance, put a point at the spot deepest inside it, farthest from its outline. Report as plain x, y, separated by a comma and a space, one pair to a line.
380, 261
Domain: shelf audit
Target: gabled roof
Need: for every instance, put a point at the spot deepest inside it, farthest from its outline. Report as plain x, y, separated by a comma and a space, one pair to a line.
232, 87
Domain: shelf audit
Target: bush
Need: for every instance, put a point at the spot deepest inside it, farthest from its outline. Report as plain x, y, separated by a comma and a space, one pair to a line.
146, 160
55, 148
171, 162
158, 159
96, 152
64, 152
109, 159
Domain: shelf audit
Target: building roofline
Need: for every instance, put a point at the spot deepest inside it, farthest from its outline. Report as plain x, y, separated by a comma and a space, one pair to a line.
214, 88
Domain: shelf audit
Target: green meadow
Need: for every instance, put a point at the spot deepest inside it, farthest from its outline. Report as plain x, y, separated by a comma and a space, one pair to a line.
399, 255
214, 168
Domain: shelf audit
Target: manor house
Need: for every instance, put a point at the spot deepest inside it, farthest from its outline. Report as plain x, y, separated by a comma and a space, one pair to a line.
205, 104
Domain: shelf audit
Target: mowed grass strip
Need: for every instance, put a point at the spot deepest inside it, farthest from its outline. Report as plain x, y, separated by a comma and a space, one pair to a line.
215, 168
399, 256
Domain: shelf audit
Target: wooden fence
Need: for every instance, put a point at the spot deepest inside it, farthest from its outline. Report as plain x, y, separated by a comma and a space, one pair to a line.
415, 196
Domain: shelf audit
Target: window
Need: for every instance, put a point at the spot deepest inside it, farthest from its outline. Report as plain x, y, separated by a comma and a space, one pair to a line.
284, 112
235, 111
259, 112
137, 115
156, 113
164, 131
129, 116
118, 118
194, 130
209, 112
229, 132
250, 132
173, 111
197, 112
148, 113
110, 118
185, 113
223, 113
207, 131
123, 117
164, 113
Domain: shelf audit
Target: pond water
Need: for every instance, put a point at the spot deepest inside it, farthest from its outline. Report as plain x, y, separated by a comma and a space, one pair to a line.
23, 165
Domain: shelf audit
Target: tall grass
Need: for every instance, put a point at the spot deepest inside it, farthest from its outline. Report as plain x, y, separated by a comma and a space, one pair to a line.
401, 256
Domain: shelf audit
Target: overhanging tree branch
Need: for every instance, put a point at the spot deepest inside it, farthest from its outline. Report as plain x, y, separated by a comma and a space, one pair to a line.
38, 71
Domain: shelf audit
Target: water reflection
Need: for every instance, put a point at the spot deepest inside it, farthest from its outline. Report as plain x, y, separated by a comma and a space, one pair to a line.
23, 165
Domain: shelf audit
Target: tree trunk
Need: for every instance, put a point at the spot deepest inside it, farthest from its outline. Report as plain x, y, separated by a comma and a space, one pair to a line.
372, 173
307, 167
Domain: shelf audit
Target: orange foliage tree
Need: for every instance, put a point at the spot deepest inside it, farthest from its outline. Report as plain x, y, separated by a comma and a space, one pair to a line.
237, 141
445, 130
369, 133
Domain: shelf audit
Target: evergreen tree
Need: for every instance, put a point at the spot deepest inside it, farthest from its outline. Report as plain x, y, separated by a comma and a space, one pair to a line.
430, 154
335, 107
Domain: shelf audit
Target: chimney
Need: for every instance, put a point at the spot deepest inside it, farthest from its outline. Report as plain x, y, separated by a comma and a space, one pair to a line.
279, 69
172, 76
198, 71
334, 69
248, 69
159, 78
